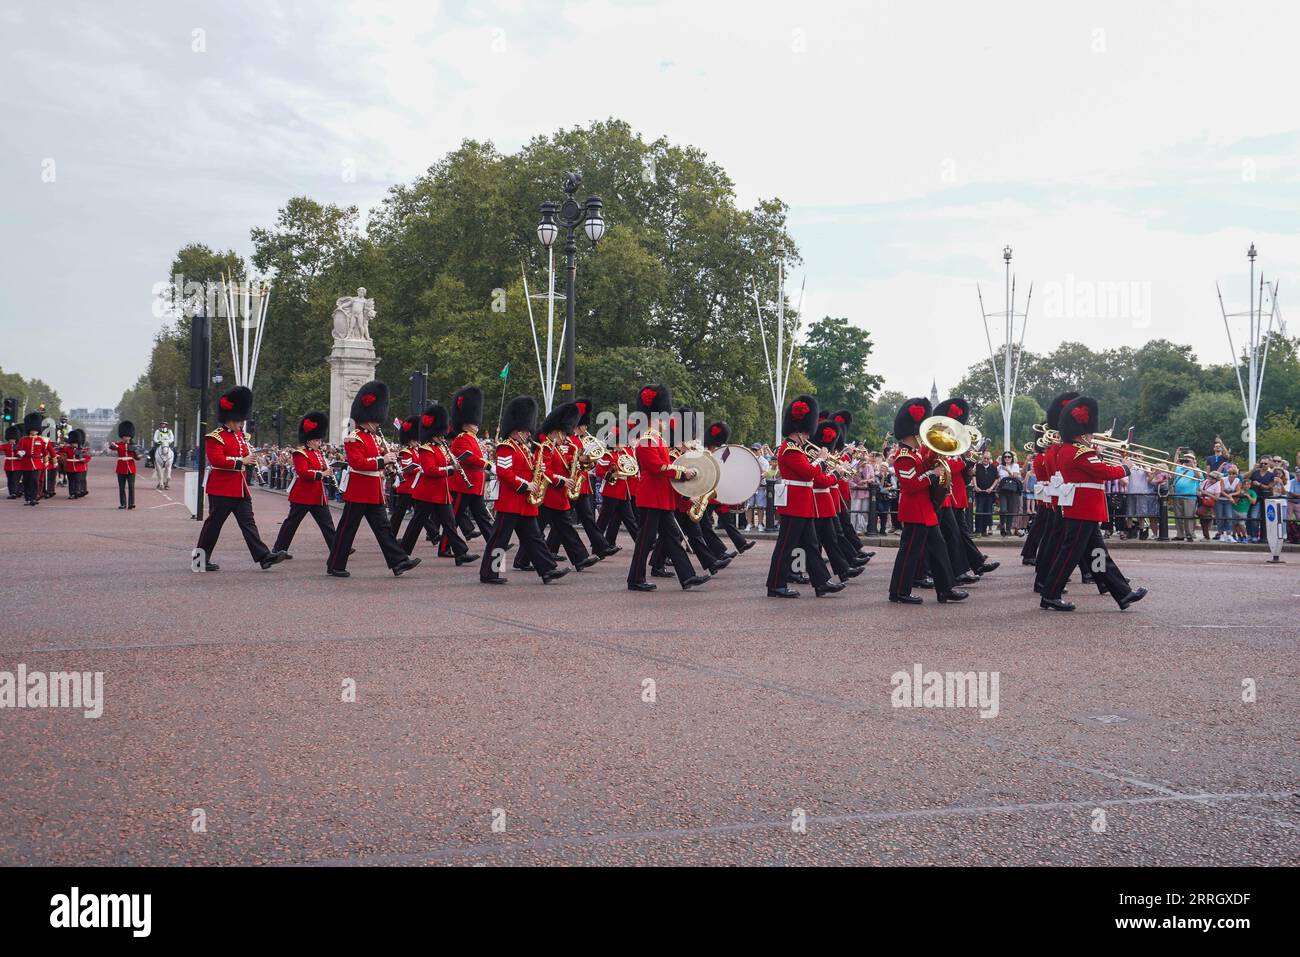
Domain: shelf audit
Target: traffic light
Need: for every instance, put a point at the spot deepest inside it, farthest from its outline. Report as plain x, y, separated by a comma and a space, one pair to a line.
275, 420
10, 410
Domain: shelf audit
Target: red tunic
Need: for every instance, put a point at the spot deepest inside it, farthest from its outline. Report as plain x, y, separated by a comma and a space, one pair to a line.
309, 470
431, 485
654, 488
466, 447
514, 474
126, 457
558, 458
914, 504
223, 448
1081, 464
365, 468
800, 477
957, 490
408, 466
10, 451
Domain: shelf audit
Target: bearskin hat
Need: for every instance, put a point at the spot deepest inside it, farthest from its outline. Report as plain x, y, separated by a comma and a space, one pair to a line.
800, 415
584, 410
563, 418
235, 405
313, 425
828, 433
1078, 418
409, 430
520, 415
957, 409
77, 437
32, 422
845, 418
126, 429
654, 398
433, 423
909, 418
11, 433
1059, 403
370, 404
467, 407
719, 433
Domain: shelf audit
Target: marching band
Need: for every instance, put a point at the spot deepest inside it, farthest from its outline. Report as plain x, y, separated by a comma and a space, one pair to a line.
671, 490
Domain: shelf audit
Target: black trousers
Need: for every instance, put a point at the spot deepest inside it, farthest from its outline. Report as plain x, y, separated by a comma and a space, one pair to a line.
397, 511
682, 526
561, 533
51, 480
374, 514
297, 512
471, 510
530, 543
836, 553
1037, 527
433, 516
727, 522
126, 490
710, 535
1050, 547
32, 485
221, 507
15, 480
659, 524
616, 512
584, 510
917, 541
846, 527
796, 543
1083, 547
963, 555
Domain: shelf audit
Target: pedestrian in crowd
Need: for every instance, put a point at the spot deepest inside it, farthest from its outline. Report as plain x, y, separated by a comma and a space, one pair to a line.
1186, 485
1207, 501
1010, 488
1028, 497
1229, 489
1141, 508
862, 492
1242, 506
1260, 482
1218, 459
1293, 505
756, 514
986, 490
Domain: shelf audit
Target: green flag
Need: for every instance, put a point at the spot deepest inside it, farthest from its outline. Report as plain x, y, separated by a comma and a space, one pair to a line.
505, 373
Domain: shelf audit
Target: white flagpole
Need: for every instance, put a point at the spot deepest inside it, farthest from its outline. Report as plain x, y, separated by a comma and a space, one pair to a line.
549, 385
537, 348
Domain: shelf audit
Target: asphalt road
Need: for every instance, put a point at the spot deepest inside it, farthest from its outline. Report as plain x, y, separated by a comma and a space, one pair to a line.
1119, 738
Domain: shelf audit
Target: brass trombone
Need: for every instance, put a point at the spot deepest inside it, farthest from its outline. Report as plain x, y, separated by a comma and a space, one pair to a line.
1145, 458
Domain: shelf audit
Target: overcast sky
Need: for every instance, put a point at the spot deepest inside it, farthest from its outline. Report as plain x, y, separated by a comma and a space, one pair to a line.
1128, 152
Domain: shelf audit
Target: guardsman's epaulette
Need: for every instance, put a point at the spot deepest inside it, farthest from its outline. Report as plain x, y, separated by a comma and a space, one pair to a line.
353, 436
904, 452
214, 434
1082, 449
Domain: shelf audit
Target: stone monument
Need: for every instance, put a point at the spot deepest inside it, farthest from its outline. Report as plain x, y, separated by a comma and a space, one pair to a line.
352, 360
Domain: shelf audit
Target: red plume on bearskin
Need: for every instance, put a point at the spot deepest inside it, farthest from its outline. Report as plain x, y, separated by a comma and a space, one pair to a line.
433, 423
236, 405
313, 425
1078, 418
371, 403
800, 415
909, 417
719, 433
652, 399
1057, 404
916, 411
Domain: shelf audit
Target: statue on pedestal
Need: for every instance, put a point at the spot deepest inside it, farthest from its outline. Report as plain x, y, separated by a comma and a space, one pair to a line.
352, 360
352, 315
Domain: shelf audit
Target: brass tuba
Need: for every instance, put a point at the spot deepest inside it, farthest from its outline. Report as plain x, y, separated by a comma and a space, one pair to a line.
945, 437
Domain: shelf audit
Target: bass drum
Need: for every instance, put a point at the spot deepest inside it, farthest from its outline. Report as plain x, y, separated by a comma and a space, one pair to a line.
739, 477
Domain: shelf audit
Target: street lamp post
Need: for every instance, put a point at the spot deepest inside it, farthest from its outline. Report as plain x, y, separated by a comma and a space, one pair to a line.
570, 215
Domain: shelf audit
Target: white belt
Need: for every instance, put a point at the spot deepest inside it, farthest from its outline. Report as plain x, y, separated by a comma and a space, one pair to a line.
1067, 489
360, 472
796, 483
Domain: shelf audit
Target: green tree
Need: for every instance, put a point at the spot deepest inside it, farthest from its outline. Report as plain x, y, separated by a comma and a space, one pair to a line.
835, 355
1024, 413
1196, 421
1279, 434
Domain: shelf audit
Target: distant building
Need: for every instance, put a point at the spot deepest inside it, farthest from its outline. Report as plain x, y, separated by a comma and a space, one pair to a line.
934, 393
98, 424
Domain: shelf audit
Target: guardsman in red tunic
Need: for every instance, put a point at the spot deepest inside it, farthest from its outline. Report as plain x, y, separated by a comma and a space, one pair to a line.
615, 490
716, 436
74, 462
307, 488
844, 418
919, 474
1081, 500
1051, 543
840, 554
408, 467
227, 451
468, 485
558, 456
681, 430
368, 456
431, 493
967, 561
32, 451
797, 506
584, 506
13, 478
126, 452
516, 468
656, 497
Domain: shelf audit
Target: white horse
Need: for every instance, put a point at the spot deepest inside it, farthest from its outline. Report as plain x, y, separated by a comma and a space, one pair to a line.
162, 466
